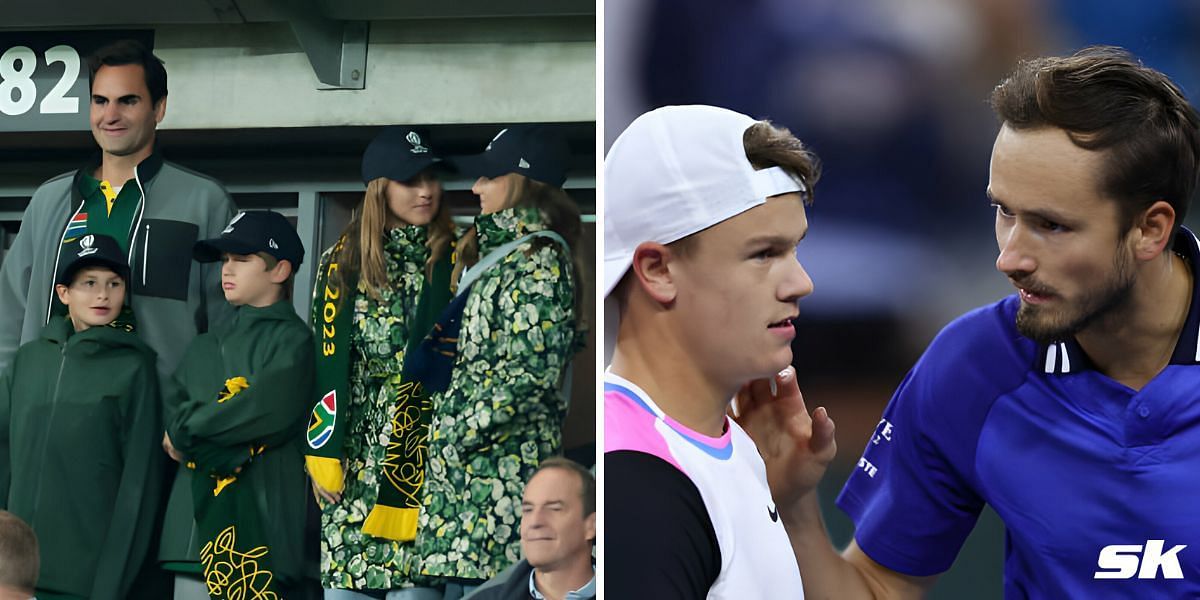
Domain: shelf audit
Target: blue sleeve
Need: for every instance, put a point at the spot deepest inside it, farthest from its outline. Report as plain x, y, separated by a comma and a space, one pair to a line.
914, 494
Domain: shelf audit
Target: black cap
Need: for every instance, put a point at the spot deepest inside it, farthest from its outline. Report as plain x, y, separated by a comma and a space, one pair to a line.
251, 232
538, 152
398, 153
89, 251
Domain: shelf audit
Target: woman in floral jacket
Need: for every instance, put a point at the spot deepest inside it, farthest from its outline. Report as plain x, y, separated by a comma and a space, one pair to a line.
379, 287
503, 409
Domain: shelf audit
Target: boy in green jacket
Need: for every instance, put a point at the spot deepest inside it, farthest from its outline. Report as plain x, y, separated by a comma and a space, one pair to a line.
236, 411
79, 428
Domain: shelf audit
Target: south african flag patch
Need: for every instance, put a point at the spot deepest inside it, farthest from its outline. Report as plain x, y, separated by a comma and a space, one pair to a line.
76, 228
320, 424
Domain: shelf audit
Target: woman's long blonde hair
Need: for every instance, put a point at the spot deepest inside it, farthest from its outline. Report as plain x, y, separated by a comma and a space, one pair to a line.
562, 216
363, 253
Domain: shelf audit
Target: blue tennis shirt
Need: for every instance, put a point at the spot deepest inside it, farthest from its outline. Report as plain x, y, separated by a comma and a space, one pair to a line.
1097, 484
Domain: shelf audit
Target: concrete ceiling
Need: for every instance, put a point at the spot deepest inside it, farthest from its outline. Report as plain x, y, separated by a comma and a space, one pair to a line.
86, 13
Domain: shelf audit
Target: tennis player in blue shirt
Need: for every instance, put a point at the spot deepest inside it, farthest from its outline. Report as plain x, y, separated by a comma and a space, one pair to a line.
1071, 407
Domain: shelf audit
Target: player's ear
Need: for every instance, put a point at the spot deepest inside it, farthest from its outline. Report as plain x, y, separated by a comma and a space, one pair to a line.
1152, 230
651, 262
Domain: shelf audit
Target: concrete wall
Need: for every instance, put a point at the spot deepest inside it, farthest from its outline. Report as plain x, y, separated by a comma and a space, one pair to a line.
431, 72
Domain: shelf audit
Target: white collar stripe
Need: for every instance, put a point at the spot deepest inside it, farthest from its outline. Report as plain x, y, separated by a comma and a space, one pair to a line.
1051, 358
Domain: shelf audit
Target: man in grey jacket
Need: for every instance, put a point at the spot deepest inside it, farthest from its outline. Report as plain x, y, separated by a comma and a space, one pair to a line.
155, 209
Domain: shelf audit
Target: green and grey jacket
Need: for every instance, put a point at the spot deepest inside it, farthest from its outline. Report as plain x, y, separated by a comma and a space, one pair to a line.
174, 298
236, 409
502, 413
80, 455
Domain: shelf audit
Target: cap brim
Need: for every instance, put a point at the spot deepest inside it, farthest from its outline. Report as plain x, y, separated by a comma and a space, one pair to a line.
211, 250
478, 165
68, 274
405, 171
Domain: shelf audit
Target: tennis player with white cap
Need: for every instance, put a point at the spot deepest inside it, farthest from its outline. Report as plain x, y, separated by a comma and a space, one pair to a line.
704, 210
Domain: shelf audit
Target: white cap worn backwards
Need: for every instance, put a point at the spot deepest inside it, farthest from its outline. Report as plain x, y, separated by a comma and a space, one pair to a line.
675, 171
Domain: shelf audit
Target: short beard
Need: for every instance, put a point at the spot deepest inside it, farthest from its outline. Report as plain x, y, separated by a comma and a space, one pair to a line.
1034, 324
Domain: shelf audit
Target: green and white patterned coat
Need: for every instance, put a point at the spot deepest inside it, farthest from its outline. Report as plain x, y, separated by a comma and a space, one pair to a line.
350, 558
502, 413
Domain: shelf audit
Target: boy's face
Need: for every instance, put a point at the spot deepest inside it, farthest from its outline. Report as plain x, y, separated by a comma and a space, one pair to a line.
246, 280
738, 286
94, 297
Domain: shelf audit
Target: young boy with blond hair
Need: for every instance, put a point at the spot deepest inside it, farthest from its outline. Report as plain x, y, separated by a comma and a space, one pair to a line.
236, 410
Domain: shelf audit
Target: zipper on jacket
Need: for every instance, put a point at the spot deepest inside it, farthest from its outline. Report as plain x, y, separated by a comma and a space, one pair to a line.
133, 230
37, 495
145, 253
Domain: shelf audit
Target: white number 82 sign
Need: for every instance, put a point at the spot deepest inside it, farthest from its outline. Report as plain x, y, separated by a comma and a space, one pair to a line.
18, 87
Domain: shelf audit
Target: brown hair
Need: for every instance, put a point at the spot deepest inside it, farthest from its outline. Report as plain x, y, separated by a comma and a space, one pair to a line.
131, 52
1106, 100
271, 261
18, 553
587, 481
562, 217
362, 252
769, 145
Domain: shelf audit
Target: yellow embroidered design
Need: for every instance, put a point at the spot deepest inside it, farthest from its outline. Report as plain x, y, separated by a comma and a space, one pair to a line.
222, 483
233, 385
408, 446
229, 573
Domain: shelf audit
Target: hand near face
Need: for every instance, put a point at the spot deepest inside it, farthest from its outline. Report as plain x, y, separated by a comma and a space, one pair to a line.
796, 447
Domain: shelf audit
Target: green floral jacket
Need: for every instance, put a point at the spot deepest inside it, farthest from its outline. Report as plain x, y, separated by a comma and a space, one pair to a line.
349, 558
502, 413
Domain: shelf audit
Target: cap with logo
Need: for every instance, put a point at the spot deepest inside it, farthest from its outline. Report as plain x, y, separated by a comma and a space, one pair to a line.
539, 152
398, 153
673, 172
92, 250
251, 232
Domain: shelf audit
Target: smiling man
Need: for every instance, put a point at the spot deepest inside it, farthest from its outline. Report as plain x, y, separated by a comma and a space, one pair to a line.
704, 210
558, 530
1069, 407
154, 209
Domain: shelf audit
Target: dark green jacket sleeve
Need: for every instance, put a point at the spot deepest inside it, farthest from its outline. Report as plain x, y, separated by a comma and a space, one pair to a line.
137, 501
270, 411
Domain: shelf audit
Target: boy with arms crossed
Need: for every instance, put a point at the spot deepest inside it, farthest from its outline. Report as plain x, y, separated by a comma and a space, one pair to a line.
236, 416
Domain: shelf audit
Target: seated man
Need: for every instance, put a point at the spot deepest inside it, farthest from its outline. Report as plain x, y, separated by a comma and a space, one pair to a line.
558, 529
